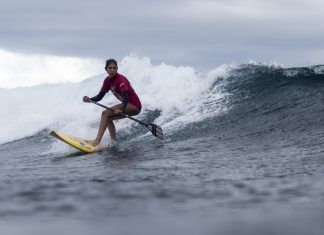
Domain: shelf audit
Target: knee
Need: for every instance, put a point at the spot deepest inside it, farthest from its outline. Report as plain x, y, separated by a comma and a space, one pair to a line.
107, 113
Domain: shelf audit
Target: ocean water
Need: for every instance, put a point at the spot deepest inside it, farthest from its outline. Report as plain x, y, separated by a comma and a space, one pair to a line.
242, 154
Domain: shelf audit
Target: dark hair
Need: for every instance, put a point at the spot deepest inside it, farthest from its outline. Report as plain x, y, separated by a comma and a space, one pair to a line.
111, 61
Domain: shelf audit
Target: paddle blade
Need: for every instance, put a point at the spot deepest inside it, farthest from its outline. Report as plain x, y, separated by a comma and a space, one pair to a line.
156, 130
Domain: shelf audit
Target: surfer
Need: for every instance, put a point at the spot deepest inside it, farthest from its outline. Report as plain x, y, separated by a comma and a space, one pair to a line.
123, 91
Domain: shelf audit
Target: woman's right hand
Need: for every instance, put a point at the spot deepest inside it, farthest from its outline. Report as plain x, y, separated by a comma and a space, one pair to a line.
86, 99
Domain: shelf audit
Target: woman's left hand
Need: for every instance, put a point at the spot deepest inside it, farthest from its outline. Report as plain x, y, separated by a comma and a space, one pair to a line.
118, 111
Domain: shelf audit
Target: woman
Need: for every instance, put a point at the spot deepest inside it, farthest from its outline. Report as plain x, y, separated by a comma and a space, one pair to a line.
122, 89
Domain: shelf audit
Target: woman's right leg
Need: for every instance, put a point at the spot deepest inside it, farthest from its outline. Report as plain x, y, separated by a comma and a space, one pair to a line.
104, 123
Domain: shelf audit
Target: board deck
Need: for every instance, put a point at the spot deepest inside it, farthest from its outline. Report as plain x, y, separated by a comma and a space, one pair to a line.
76, 142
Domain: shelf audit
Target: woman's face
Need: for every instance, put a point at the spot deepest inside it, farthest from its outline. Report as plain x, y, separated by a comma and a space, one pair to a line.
111, 70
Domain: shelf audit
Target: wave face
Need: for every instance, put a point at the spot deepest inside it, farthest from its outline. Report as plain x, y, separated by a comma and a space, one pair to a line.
271, 102
171, 96
229, 101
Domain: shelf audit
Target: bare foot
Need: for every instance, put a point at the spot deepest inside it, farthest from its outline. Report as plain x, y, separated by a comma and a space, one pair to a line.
93, 142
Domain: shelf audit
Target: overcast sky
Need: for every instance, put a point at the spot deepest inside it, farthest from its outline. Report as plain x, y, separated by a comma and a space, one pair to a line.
198, 33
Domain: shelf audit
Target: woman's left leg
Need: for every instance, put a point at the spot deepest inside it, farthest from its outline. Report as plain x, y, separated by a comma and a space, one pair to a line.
130, 110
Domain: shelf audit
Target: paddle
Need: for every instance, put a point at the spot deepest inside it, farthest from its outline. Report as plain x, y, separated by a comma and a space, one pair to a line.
155, 129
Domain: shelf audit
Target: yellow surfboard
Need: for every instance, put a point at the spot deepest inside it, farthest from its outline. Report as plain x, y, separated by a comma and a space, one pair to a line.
76, 142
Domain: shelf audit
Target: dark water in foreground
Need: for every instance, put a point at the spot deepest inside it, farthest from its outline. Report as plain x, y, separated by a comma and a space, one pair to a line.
256, 169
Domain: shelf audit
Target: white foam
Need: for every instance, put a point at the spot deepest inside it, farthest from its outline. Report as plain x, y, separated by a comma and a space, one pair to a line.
318, 69
182, 95
271, 64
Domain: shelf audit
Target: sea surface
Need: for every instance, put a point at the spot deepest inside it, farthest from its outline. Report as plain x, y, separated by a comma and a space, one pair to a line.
243, 153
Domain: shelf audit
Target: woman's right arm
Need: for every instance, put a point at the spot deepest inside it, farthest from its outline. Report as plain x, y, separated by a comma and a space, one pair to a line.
95, 98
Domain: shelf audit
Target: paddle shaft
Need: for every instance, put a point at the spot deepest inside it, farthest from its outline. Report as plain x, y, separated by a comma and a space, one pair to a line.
134, 119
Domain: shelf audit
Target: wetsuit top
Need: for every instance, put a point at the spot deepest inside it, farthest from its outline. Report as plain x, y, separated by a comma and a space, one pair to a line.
121, 88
